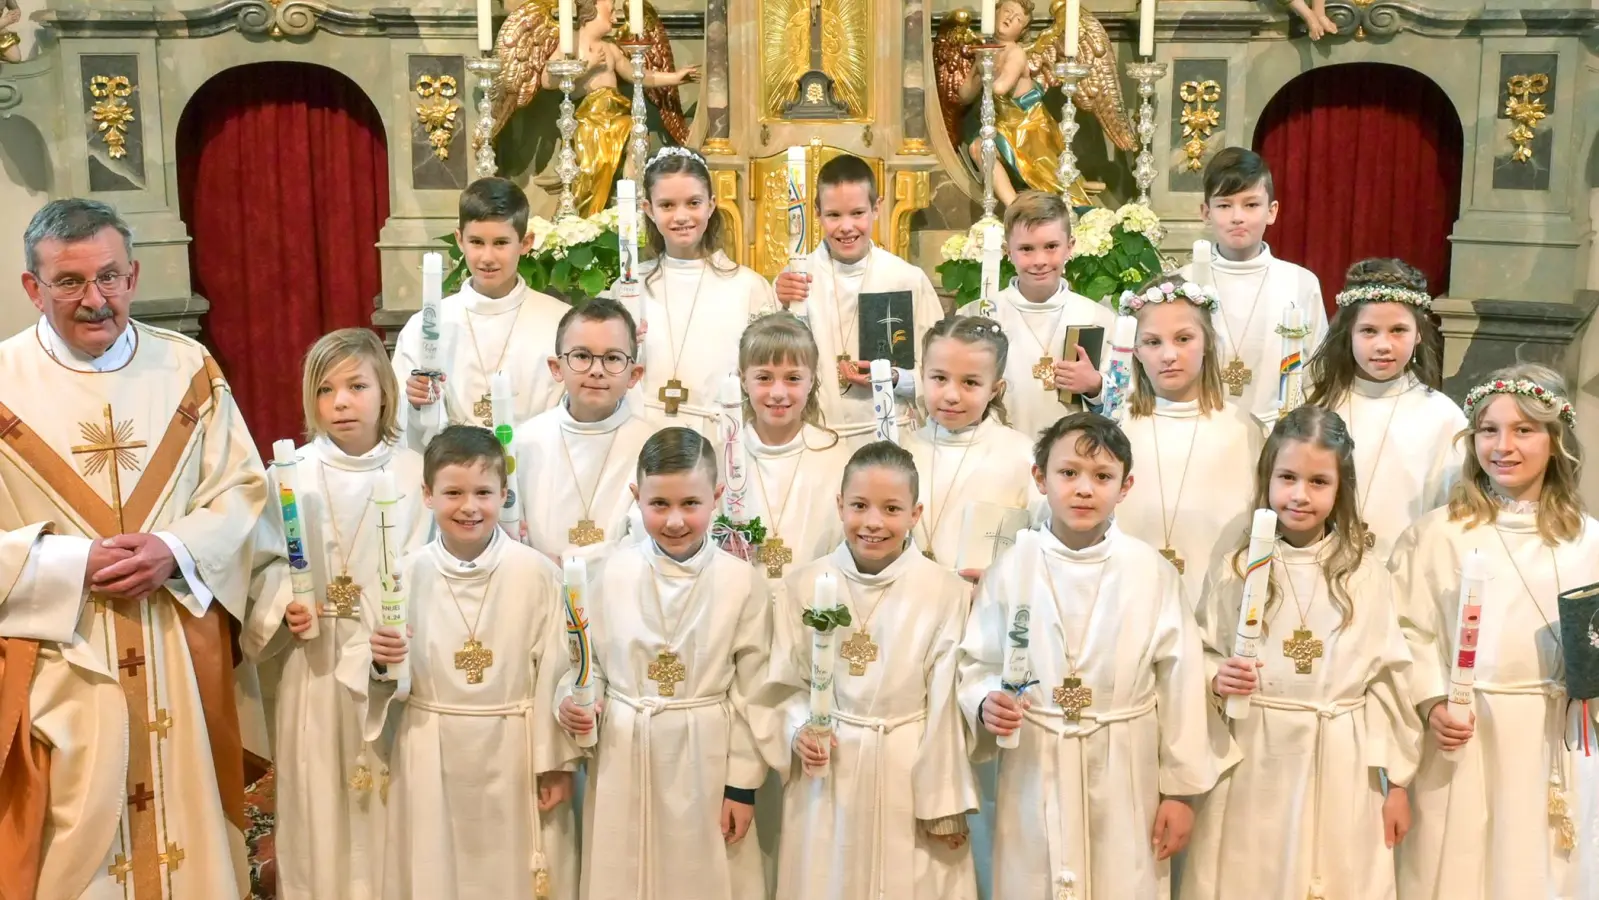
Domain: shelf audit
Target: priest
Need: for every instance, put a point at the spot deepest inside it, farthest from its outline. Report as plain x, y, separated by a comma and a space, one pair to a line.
131, 537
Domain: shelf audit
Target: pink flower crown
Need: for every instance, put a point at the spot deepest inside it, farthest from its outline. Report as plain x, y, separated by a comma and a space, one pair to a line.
1381, 293
1203, 297
1521, 387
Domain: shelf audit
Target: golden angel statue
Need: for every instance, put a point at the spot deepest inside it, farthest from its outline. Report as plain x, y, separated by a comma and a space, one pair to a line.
531, 36
1028, 142
10, 43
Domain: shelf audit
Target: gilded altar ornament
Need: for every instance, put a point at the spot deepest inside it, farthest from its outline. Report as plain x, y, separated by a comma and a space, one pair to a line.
438, 111
1526, 111
815, 59
10, 43
530, 39
1029, 141
1200, 117
111, 112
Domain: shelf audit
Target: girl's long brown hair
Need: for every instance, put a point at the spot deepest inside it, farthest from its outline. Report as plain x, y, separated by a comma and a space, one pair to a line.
1332, 370
780, 338
711, 240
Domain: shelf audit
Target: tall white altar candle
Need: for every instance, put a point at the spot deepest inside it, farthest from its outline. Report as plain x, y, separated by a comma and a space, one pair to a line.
1463, 674
988, 20
485, 25
568, 45
635, 17
392, 609
575, 580
1251, 612
1146, 28
824, 659
300, 580
1073, 13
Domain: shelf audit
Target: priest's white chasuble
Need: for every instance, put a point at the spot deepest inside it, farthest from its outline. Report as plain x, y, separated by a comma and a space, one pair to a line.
794, 489
575, 476
1193, 484
680, 649
901, 759
1303, 809
135, 706
330, 784
985, 463
479, 336
1119, 715
1486, 824
1037, 333
833, 312
1254, 295
487, 649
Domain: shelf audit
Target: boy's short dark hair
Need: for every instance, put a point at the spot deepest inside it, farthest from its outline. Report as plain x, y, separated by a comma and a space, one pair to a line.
1095, 434
463, 445
846, 169
674, 450
600, 309
494, 199
1235, 170
885, 455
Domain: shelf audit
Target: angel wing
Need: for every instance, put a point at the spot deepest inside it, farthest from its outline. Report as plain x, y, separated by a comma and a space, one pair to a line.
658, 58
530, 36
953, 63
844, 52
1100, 93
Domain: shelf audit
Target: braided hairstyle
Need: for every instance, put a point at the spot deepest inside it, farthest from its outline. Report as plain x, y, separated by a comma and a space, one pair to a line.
1332, 370
979, 331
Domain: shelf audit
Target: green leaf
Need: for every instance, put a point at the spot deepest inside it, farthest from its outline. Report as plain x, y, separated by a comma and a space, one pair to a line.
561, 274
593, 281
581, 256
1100, 286
534, 273
825, 620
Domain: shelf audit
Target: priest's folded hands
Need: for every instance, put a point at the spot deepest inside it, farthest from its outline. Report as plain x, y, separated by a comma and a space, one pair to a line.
130, 565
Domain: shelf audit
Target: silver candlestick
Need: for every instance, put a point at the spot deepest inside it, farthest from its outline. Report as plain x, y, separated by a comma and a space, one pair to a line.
487, 69
985, 59
1069, 72
1146, 73
566, 168
638, 147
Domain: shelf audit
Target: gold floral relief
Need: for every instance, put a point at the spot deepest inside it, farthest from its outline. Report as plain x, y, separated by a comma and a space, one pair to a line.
1200, 117
439, 112
111, 112
769, 181
1523, 108
786, 51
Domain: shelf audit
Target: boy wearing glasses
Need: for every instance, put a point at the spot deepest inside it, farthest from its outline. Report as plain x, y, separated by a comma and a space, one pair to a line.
575, 460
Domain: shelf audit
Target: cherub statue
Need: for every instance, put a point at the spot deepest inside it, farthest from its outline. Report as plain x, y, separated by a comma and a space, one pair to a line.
1028, 142
10, 42
531, 36
1315, 15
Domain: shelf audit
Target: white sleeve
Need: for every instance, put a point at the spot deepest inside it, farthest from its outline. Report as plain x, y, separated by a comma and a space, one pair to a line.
47, 598
198, 595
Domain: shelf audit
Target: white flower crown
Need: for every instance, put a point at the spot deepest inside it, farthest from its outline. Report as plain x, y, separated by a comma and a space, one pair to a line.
664, 152
1166, 292
1521, 387
1382, 293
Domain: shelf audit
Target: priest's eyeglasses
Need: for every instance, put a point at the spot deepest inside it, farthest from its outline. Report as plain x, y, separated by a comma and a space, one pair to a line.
111, 284
581, 361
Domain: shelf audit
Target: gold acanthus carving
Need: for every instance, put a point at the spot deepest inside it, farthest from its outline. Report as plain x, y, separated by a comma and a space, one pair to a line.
111, 112
786, 51
724, 187
1526, 111
912, 191
439, 111
1200, 117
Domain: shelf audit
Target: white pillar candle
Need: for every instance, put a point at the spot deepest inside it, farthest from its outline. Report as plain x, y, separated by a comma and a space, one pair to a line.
392, 610
993, 250
1202, 274
1290, 387
1118, 367
575, 577
988, 19
1468, 618
565, 13
883, 408
1251, 612
635, 17
1017, 640
1073, 13
1146, 28
735, 462
627, 229
485, 25
300, 581
824, 659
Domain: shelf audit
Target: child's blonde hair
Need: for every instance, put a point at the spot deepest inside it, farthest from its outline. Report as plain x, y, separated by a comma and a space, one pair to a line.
1560, 506
777, 339
975, 330
333, 350
1211, 396
1324, 429
1031, 209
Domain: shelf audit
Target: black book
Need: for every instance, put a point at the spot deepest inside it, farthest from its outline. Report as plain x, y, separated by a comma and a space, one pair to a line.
1579, 633
888, 329
1090, 338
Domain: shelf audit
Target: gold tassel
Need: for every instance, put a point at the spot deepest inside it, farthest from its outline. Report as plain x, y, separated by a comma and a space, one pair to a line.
361, 778
541, 873
1068, 886
1318, 889
1560, 812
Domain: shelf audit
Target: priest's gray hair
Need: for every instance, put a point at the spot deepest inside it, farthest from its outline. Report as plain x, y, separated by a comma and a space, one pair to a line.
70, 220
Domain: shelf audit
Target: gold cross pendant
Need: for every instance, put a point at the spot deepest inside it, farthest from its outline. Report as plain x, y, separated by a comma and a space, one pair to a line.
1045, 372
483, 409
1073, 698
472, 659
774, 556
929, 555
858, 651
1369, 537
673, 395
843, 383
1173, 558
1235, 376
667, 672
344, 595
584, 533
1304, 649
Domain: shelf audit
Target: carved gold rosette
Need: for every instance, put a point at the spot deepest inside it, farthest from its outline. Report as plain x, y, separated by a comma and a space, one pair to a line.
1200, 117
111, 112
439, 111
1523, 108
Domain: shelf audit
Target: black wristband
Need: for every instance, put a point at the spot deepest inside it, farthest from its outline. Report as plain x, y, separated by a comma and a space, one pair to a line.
745, 796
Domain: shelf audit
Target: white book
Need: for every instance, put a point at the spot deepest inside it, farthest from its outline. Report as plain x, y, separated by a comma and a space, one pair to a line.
987, 530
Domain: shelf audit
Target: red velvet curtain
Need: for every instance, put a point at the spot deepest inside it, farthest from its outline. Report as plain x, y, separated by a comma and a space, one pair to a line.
1366, 160
283, 182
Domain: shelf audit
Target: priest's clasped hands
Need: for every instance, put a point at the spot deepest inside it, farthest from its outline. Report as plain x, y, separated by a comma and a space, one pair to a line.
132, 566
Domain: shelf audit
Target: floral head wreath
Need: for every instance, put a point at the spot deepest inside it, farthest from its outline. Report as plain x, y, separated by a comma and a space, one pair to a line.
664, 152
1166, 292
1521, 387
1383, 293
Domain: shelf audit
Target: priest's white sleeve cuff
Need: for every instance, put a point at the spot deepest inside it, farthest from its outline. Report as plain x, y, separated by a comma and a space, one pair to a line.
47, 599
904, 384
198, 596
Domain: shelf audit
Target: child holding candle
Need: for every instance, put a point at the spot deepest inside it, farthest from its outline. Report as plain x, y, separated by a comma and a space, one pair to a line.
1379, 369
1305, 814
329, 812
1114, 730
1038, 308
494, 313
1255, 287
888, 819
575, 460
1195, 451
479, 776
837, 274
695, 299
680, 631
1512, 815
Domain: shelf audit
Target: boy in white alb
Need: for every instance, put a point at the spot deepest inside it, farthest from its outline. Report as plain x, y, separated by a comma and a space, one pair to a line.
1256, 288
496, 323
575, 460
845, 266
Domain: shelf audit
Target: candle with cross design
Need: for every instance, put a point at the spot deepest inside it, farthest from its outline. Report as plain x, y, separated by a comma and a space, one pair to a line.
575, 581
303, 585
1468, 617
1257, 580
511, 520
1118, 376
883, 408
824, 618
1014, 675
393, 604
430, 358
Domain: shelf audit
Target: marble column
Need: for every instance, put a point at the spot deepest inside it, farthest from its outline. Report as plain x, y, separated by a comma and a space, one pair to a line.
913, 96
719, 126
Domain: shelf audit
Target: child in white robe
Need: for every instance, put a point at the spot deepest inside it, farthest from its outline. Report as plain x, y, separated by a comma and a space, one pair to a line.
1512, 814
495, 323
1112, 714
478, 806
1195, 452
794, 460
827, 295
1330, 722
575, 460
1256, 288
1379, 369
1036, 311
681, 632
694, 300
887, 817
966, 451
330, 806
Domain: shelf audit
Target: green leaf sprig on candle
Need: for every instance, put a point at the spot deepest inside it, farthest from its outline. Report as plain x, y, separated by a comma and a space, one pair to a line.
825, 620
754, 531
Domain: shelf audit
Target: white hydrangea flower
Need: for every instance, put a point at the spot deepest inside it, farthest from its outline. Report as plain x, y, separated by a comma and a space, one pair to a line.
954, 248
605, 219
573, 231
1092, 241
1139, 218
1098, 220
542, 230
